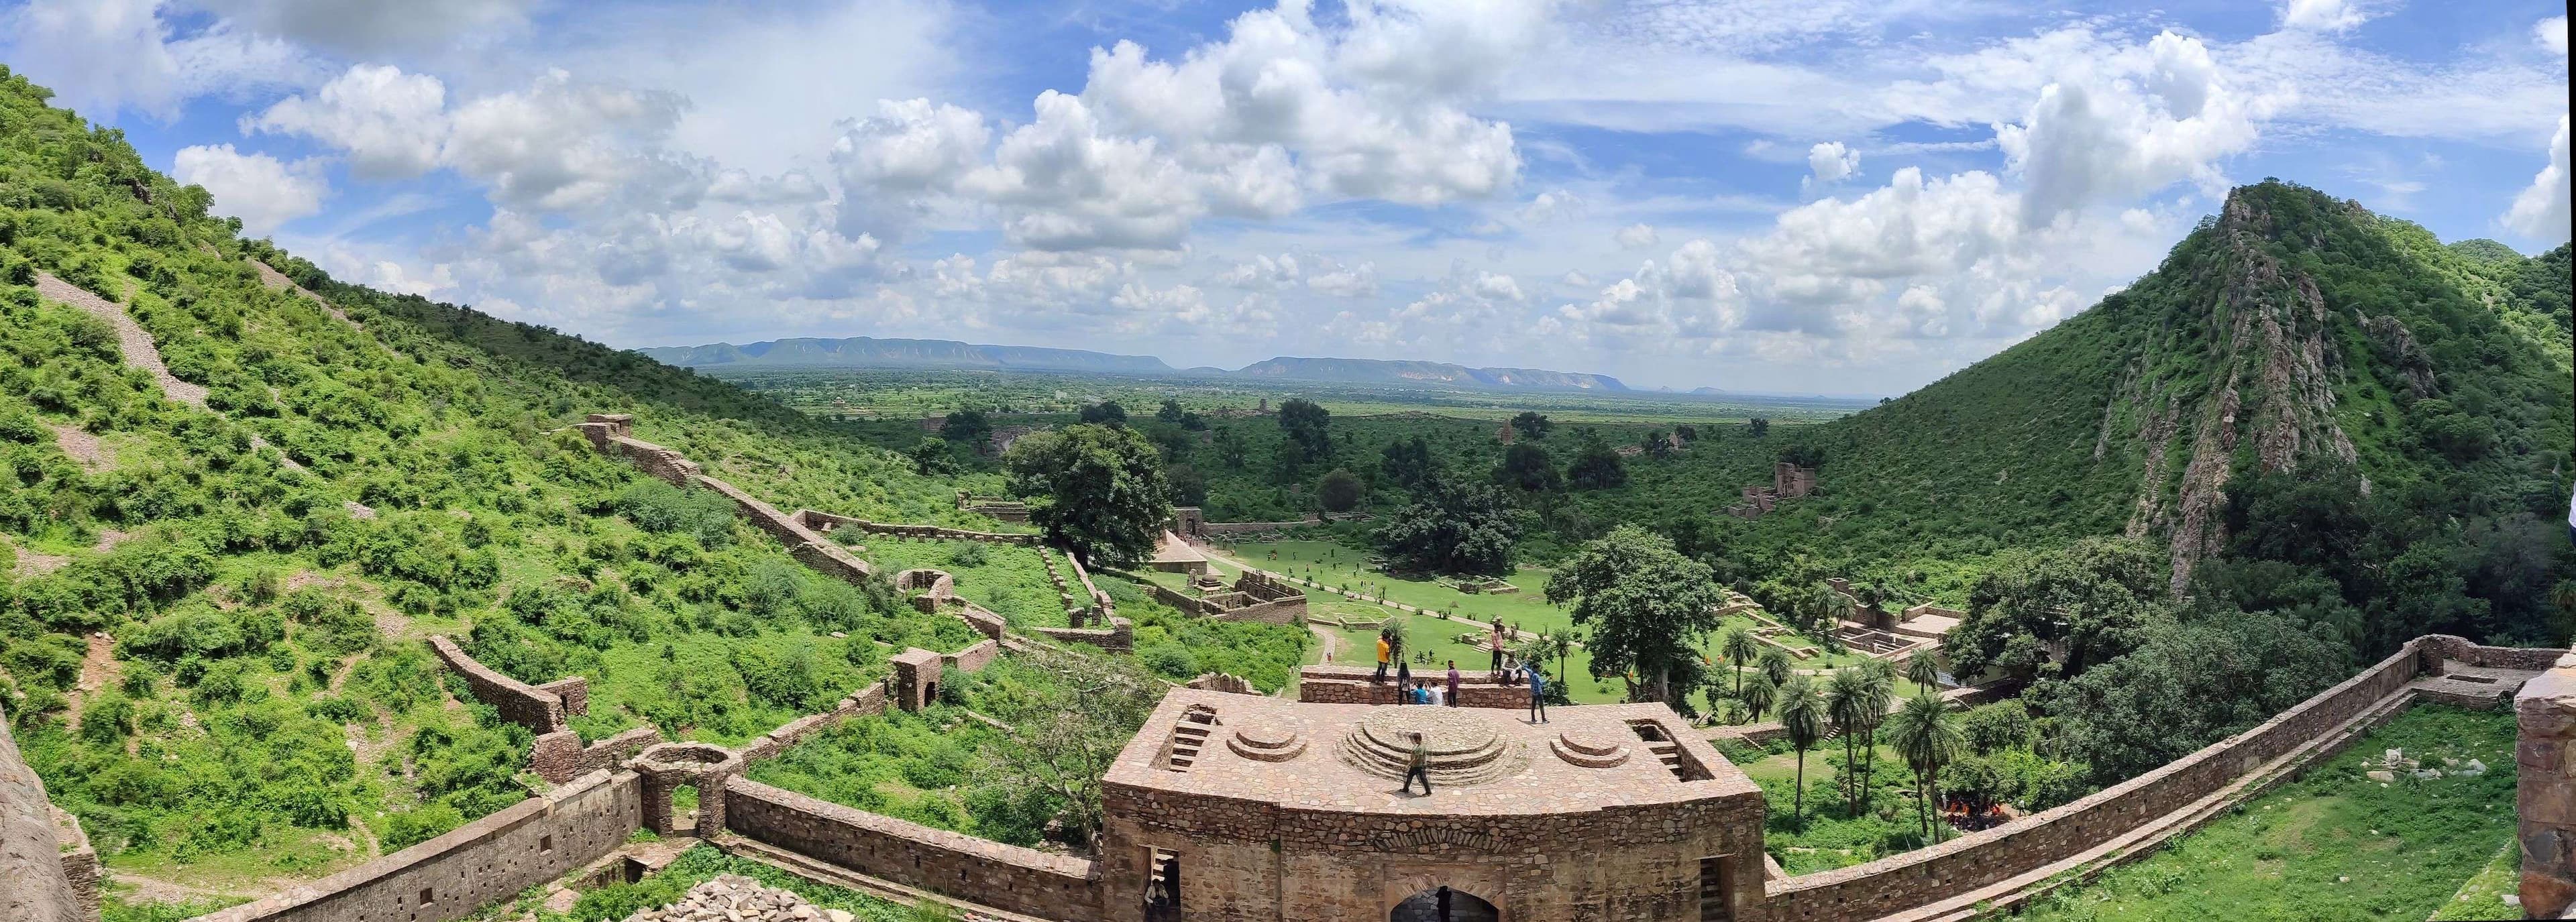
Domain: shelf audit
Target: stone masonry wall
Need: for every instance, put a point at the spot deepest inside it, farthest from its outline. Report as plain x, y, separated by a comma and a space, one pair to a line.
493, 858
825, 521
1006, 877
610, 753
2544, 754
518, 702
974, 658
806, 545
1351, 685
80, 861
1925, 875
1119, 637
869, 700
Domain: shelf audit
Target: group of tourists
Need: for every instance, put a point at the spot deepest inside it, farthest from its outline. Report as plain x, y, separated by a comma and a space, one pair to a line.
1409, 690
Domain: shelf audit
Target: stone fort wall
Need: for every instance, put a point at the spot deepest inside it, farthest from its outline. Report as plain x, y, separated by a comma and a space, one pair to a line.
528, 706
1006, 877
1979, 859
827, 522
2545, 797
490, 859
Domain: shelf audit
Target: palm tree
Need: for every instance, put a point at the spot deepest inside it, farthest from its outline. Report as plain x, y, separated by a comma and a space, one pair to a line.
1739, 648
1847, 700
1879, 680
1802, 716
1759, 696
1776, 664
1929, 738
1923, 671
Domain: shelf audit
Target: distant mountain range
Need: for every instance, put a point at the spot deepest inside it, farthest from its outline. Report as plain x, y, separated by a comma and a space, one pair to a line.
941, 354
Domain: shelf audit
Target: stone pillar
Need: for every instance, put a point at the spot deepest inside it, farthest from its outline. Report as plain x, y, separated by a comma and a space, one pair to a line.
2545, 756
667, 767
916, 678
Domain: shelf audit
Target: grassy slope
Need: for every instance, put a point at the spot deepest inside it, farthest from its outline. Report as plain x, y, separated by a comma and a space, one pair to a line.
2332, 845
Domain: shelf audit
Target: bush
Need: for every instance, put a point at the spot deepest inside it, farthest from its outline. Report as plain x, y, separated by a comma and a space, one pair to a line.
1169, 660
661, 508
412, 827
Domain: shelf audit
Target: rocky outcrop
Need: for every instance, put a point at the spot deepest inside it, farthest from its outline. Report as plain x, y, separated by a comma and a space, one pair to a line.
30, 858
2272, 363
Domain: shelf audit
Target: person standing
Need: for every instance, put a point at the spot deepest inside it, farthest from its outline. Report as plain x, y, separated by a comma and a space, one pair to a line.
1443, 901
1537, 693
1498, 649
1403, 676
1384, 650
1453, 683
1421, 767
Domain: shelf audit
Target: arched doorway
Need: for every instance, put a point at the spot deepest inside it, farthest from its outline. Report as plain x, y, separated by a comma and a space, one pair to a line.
1426, 907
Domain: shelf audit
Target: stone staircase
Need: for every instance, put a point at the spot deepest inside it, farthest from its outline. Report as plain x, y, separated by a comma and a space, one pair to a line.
1188, 739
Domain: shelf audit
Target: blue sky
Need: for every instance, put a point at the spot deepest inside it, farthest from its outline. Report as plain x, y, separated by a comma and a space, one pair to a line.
1850, 196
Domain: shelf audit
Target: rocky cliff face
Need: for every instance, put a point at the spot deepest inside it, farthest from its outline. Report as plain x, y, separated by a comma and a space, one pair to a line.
2272, 367
31, 862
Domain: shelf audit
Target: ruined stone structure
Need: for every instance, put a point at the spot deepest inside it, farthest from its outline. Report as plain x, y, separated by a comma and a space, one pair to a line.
1274, 809
827, 523
2545, 759
1007, 510
1253, 597
1788, 481
1278, 810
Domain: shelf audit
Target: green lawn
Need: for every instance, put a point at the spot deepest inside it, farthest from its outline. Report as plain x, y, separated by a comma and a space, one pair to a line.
1336, 566
1437, 636
2335, 845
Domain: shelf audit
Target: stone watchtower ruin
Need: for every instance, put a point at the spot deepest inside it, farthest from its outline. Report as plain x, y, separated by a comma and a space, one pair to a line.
1274, 809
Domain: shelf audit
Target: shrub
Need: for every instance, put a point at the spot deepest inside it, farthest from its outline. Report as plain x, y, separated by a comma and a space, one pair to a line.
661, 508
415, 826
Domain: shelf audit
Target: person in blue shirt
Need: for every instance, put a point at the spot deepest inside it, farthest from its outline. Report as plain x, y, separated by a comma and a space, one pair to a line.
1537, 693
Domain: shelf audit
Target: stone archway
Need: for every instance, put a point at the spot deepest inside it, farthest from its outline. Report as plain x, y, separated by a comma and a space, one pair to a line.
1426, 906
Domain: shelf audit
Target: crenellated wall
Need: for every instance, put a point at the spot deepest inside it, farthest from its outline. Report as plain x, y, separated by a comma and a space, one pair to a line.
1006, 877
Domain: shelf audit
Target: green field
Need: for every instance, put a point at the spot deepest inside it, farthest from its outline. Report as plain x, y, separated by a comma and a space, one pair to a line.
2334, 845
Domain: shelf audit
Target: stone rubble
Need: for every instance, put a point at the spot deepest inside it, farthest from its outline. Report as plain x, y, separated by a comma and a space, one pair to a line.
735, 898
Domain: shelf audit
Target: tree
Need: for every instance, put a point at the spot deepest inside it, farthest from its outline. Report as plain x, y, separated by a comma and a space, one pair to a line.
1098, 489
1759, 695
1407, 463
1339, 491
2094, 597
1739, 648
1308, 426
1171, 413
1761, 426
1597, 467
932, 457
1657, 443
1106, 412
1231, 449
1452, 526
1532, 425
1926, 735
1528, 468
1923, 671
1776, 666
1065, 734
1646, 605
2186, 685
1392, 631
1189, 486
1803, 714
968, 428
1848, 700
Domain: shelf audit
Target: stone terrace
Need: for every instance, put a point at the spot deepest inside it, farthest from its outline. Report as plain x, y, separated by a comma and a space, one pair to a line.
1293, 754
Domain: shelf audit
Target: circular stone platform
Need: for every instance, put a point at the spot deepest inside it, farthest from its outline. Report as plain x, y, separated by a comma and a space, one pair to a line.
1589, 750
1265, 743
1465, 748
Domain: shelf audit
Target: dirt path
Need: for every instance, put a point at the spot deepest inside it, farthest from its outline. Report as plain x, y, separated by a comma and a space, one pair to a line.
99, 670
32, 564
81, 446
277, 281
131, 339
1332, 643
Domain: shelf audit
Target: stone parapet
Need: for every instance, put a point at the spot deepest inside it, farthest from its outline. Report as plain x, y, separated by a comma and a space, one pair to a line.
1006, 877
1119, 637
869, 700
519, 703
973, 658
827, 522
2545, 797
1351, 685
452, 876
611, 753
1983, 858
654, 460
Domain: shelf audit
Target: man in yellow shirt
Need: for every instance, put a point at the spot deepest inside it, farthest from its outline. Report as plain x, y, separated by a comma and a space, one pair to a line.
1383, 650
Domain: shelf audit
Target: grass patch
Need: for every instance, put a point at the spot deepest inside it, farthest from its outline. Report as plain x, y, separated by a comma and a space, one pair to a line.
2334, 845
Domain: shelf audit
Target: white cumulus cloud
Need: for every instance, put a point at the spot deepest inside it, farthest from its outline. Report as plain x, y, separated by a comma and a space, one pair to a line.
257, 188
1830, 162
2541, 211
